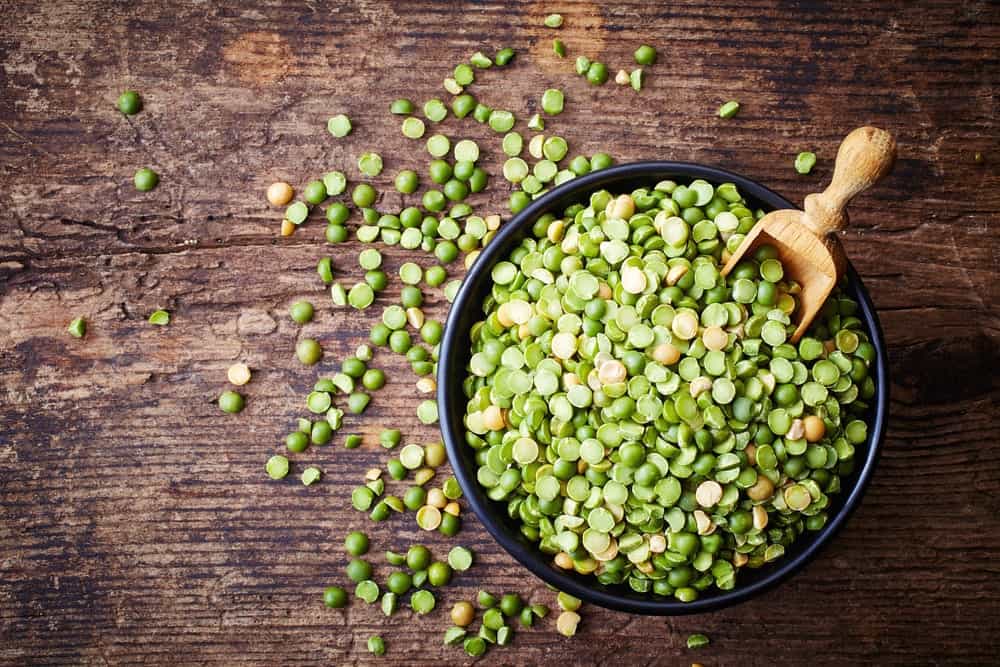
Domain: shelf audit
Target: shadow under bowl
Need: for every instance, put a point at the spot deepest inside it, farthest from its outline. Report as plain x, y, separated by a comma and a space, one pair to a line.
452, 370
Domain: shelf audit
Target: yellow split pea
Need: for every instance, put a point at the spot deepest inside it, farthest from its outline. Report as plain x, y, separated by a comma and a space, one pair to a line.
567, 622
564, 345
493, 418
515, 311
685, 325
280, 193
437, 499
633, 279
709, 493
700, 385
666, 354
429, 517
462, 614
238, 374
620, 208
612, 372
815, 428
704, 523
715, 338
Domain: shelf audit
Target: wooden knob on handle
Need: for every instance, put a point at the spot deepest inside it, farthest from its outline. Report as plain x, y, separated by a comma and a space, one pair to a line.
865, 156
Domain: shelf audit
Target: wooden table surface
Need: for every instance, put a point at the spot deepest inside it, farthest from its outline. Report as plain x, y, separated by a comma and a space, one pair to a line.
136, 521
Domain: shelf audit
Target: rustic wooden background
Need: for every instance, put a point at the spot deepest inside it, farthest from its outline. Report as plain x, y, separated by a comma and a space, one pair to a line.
136, 522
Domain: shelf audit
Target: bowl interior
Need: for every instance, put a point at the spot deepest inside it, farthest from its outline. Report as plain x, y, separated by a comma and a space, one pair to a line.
455, 353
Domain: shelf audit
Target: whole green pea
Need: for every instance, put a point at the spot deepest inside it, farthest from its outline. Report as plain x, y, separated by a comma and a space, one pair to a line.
356, 543
129, 102
511, 604
399, 582
335, 597
308, 351
439, 574
597, 73
359, 570
407, 181
418, 557
145, 179
645, 55
301, 312
231, 402
363, 195
315, 192
297, 442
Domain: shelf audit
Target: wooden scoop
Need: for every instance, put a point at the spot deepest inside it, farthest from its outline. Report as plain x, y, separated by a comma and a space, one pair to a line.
805, 240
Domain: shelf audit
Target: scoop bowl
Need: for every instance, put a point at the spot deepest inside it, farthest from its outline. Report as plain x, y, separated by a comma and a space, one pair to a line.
452, 369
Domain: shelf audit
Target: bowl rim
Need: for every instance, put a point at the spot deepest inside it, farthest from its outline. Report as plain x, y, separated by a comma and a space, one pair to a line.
452, 429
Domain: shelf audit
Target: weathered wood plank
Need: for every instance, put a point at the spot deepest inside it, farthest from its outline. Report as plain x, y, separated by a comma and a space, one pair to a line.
137, 524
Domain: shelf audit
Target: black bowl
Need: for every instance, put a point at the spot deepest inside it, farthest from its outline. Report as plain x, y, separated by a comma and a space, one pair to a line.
454, 357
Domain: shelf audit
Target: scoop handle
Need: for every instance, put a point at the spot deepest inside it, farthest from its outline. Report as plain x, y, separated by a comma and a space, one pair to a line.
865, 156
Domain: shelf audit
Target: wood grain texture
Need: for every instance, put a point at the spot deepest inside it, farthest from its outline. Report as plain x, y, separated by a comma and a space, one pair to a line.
136, 524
